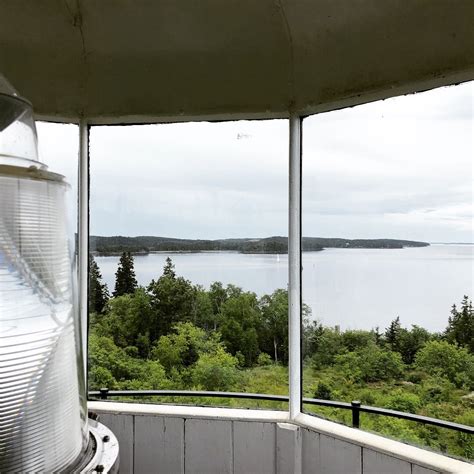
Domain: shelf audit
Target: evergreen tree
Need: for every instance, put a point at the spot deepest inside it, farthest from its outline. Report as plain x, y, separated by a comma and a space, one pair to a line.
125, 281
411, 342
173, 300
98, 291
460, 328
393, 334
168, 269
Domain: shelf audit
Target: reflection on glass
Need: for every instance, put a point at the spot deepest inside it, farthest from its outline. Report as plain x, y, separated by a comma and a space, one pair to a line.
43, 423
388, 186
189, 265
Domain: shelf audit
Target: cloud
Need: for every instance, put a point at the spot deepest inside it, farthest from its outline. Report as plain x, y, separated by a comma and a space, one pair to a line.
395, 168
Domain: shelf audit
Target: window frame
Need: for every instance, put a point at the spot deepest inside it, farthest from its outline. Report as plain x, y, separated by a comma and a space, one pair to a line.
294, 252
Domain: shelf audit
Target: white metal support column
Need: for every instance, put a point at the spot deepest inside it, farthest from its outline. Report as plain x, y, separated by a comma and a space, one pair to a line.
83, 233
294, 266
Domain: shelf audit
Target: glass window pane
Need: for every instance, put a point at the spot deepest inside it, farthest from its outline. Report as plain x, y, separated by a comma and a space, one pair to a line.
388, 191
58, 146
189, 248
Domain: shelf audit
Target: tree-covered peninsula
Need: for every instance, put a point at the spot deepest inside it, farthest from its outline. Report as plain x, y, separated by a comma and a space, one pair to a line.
116, 245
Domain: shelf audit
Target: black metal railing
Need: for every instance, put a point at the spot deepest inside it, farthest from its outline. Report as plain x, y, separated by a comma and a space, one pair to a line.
355, 406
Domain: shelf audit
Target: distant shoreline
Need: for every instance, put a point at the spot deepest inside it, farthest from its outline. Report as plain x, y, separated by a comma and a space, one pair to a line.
144, 245
451, 243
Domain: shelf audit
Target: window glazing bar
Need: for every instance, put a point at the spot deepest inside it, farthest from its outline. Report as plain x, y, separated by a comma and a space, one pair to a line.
83, 234
294, 266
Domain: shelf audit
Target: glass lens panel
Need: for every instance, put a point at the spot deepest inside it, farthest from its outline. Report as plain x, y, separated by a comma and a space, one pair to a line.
388, 199
188, 280
42, 398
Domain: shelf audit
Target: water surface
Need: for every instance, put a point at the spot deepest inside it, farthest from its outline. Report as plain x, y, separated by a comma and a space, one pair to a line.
354, 288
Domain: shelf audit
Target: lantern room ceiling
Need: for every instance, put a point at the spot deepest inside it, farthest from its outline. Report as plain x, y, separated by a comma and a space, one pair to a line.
146, 60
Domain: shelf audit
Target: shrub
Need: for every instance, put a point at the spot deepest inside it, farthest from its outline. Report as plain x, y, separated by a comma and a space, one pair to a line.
464, 440
436, 390
328, 346
217, 371
354, 340
371, 364
101, 377
182, 347
323, 391
443, 359
367, 397
407, 402
416, 377
264, 359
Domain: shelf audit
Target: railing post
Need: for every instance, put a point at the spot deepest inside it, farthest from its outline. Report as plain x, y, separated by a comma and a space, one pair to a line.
355, 413
103, 393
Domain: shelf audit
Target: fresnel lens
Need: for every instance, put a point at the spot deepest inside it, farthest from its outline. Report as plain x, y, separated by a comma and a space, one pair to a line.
43, 414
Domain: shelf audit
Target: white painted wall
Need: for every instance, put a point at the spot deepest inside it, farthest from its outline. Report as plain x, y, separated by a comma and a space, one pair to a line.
195, 440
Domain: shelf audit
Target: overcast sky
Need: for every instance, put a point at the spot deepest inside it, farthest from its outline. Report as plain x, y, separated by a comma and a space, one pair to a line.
400, 168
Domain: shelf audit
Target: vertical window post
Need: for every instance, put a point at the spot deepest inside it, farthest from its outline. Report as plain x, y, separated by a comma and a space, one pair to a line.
83, 234
294, 266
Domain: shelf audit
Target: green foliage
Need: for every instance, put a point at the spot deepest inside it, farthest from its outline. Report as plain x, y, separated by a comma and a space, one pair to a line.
119, 367
204, 315
216, 371
172, 299
98, 292
328, 346
464, 441
238, 324
444, 359
354, 340
118, 244
125, 281
128, 321
101, 377
312, 333
460, 328
182, 347
263, 359
436, 390
411, 341
407, 342
218, 296
404, 401
274, 334
370, 364
393, 334
323, 391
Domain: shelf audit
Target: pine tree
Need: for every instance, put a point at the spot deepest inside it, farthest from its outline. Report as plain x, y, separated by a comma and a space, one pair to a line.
173, 299
393, 333
460, 328
125, 281
98, 291
168, 269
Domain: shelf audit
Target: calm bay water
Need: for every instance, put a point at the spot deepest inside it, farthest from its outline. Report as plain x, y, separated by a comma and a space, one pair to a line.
354, 288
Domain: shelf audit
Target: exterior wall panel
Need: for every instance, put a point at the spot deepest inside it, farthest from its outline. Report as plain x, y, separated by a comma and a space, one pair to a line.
375, 463
159, 444
208, 446
254, 447
336, 456
422, 470
310, 454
